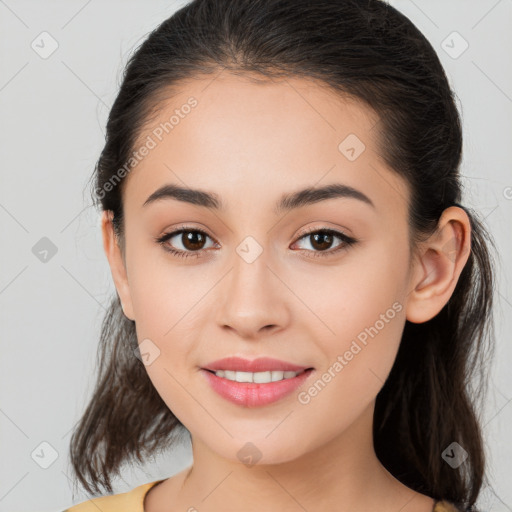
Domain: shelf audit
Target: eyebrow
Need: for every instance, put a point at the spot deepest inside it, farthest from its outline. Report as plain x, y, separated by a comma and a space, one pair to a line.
287, 202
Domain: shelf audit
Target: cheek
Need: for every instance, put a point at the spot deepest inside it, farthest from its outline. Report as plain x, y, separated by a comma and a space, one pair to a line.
365, 289
361, 305
367, 318
166, 309
164, 293
166, 304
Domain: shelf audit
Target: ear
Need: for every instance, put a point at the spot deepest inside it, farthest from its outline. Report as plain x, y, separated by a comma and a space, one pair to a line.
438, 266
117, 263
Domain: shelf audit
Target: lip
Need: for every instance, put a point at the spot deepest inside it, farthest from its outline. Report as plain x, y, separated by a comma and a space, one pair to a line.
252, 394
261, 364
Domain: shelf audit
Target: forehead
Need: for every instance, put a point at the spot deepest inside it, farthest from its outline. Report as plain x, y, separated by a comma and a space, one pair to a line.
247, 137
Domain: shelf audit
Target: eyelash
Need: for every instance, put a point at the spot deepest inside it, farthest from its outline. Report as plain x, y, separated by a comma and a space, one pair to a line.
347, 241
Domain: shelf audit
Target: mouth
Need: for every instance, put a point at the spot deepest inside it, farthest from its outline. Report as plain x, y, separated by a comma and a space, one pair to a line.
264, 377
259, 365
254, 383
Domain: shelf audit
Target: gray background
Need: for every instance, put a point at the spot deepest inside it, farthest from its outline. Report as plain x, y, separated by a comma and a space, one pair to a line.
53, 111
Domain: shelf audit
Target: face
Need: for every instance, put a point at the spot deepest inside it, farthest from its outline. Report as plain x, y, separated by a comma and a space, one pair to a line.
320, 284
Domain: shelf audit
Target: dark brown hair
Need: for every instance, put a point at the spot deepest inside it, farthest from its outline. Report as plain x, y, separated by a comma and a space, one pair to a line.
368, 50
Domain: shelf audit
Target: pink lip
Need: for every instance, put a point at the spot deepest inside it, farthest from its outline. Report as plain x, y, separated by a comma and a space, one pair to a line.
262, 364
250, 394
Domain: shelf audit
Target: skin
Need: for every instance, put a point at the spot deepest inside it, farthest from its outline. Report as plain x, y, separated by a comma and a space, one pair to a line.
250, 143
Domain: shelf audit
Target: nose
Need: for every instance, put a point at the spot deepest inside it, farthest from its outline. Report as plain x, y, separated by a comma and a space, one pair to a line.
253, 300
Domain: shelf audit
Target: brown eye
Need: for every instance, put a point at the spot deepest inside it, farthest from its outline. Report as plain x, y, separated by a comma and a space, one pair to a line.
185, 242
321, 241
192, 240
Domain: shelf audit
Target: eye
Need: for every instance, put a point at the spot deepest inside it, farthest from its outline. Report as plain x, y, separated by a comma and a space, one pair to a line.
192, 241
323, 238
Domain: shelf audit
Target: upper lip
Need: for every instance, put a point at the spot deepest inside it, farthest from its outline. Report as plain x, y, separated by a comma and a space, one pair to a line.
261, 364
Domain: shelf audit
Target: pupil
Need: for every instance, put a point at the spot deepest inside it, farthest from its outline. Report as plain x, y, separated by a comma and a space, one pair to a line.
326, 244
191, 239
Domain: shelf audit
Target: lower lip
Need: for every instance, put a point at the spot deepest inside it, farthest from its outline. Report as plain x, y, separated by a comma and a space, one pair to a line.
249, 394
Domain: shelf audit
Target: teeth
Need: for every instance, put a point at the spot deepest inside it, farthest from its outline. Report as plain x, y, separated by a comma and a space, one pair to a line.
258, 377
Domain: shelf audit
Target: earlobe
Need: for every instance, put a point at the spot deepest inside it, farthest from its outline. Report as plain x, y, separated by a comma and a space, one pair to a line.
439, 264
117, 265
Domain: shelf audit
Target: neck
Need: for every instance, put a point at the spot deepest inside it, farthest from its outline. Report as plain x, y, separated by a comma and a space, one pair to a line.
344, 475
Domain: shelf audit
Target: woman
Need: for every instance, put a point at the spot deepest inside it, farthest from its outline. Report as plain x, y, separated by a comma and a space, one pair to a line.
299, 287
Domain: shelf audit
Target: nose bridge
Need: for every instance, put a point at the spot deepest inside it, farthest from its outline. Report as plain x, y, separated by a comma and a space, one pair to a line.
250, 269
252, 296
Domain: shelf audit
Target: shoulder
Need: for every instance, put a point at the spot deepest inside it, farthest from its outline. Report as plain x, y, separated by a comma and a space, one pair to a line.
130, 501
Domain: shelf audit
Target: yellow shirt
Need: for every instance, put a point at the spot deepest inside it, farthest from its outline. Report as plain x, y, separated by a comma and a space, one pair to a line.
133, 501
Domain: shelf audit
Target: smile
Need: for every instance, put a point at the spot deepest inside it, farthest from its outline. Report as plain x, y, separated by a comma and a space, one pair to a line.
258, 377
255, 389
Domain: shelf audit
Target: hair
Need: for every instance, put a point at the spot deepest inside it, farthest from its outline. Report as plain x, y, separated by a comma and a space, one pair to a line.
368, 51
